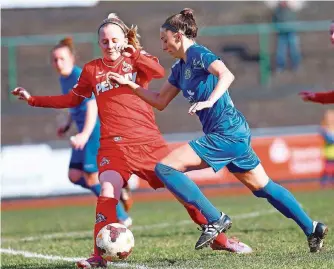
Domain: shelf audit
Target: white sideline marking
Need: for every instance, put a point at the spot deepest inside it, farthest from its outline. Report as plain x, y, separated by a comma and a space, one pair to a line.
38, 256
136, 228
61, 258
28, 254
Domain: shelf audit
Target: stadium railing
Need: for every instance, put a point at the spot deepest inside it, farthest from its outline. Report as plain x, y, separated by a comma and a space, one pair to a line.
263, 31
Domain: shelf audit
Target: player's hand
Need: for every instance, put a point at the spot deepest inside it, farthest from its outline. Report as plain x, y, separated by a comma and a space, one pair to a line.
62, 130
199, 106
79, 141
117, 78
21, 94
128, 50
307, 96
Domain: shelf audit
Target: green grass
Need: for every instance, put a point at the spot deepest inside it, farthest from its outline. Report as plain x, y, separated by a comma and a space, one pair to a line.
277, 242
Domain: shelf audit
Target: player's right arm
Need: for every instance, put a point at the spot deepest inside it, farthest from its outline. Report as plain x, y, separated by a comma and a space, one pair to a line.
81, 90
158, 100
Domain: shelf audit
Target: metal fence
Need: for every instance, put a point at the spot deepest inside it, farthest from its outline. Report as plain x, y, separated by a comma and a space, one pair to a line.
263, 31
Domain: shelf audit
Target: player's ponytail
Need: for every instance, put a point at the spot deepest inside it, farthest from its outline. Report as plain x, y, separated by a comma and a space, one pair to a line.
66, 42
183, 22
188, 13
133, 37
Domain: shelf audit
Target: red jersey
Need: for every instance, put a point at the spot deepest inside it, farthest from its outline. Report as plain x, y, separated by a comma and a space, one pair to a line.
323, 97
124, 117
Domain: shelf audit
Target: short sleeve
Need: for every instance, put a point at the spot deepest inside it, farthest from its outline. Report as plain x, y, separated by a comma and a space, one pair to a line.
203, 57
84, 86
174, 75
208, 58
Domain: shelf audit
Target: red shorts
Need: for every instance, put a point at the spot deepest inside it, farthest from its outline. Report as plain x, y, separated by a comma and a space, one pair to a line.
134, 159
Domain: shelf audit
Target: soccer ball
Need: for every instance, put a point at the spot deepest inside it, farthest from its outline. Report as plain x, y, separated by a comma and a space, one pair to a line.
115, 242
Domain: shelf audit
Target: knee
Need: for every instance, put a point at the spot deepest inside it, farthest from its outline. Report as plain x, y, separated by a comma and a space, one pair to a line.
260, 193
266, 191
92, 178
74, 175
164, 171
174, 163
111, 184
162, 168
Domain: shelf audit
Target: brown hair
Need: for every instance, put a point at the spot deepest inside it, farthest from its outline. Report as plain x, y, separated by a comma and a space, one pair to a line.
183, 22
130, 33
66, 42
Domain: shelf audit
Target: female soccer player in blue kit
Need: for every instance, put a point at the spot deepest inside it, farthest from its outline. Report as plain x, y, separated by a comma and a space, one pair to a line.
83, 170
204, 80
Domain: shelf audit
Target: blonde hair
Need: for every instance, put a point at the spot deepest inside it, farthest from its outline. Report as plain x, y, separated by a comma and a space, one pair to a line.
131, 33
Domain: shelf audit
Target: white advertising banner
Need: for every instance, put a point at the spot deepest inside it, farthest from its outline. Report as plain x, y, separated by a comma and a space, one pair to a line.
36, 170
11, 4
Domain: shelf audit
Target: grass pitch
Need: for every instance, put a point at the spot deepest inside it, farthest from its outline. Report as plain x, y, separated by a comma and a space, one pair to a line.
165, 238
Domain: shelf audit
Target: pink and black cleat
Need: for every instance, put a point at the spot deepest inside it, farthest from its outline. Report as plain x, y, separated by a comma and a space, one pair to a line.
95, 261
232, 245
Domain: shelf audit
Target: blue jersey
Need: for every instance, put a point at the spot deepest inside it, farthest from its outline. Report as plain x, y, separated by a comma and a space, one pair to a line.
78, 113
197, 84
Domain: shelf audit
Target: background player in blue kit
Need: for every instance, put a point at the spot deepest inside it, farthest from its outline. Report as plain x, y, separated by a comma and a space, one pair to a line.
83, 170
204, 80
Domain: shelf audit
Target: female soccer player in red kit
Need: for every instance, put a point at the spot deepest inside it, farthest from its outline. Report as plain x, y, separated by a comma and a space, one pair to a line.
320, 97
130, 142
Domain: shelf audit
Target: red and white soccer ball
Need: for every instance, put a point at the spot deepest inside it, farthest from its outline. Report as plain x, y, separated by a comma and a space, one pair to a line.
115, 242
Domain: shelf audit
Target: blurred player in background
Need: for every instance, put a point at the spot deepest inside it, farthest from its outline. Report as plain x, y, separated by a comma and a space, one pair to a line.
327, 132
83, 170
131, 142
204, 80
320, 97
327, 128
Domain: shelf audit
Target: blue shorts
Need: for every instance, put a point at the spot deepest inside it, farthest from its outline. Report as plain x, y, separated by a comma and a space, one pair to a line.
86, 159
219, 151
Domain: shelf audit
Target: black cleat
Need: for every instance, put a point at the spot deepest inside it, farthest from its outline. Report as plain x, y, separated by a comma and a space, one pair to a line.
316, 239
211, 231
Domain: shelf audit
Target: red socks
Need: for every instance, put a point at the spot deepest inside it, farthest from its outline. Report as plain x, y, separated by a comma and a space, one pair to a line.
105, 214
199, 219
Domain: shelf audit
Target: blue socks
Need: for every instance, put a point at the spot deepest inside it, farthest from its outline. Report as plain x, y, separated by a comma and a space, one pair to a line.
96, 189
120, 212
82, 182
185, 189
285, 202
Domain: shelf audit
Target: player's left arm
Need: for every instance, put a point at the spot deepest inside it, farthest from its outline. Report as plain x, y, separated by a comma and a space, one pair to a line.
225, 79
148, 64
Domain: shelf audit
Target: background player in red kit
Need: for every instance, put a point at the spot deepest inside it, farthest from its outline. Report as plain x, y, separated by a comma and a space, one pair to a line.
320, 97
130, 142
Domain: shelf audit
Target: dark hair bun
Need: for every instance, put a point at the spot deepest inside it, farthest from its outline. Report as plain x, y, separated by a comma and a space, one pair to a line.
187, 12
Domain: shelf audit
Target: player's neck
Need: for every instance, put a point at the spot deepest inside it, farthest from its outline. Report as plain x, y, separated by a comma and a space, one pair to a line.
111, 61
67, 73
186, 44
